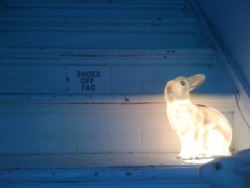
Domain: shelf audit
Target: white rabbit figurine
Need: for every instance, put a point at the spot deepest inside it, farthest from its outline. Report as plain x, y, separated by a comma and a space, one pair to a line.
228, 172
204, 132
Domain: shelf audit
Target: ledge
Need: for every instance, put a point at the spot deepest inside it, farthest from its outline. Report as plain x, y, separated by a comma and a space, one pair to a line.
88, 160
169, 5
225, 102
128, 167
188, 25
109, 99
112, 57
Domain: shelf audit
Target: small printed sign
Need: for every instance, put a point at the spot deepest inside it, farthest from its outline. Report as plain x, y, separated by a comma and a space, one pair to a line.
88, 79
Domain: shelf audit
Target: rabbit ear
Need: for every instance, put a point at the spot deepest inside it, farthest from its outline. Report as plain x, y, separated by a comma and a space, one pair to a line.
243, 164
196, 80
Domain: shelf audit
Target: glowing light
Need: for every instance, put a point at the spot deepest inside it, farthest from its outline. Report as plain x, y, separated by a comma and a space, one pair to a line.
204, 132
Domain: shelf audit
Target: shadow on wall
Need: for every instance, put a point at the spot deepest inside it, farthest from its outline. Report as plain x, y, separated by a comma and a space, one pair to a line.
231, 19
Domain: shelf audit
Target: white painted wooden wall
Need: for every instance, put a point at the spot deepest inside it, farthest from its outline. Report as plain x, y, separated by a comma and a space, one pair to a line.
131, 48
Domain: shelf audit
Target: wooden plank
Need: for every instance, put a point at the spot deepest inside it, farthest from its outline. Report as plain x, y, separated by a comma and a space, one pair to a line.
78, 104
88, 128
89, 133
119, 177
117, 9
89, 160
89, 25
32, 79
98, 40
124, 80
40, 56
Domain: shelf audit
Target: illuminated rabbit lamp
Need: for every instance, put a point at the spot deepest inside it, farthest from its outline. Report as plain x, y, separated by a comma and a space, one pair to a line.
204, 132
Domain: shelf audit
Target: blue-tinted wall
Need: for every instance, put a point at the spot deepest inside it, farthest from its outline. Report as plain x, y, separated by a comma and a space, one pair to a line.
231, 19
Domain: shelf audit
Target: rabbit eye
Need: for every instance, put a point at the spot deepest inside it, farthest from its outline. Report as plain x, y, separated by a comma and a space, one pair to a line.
183, 83
217, 166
